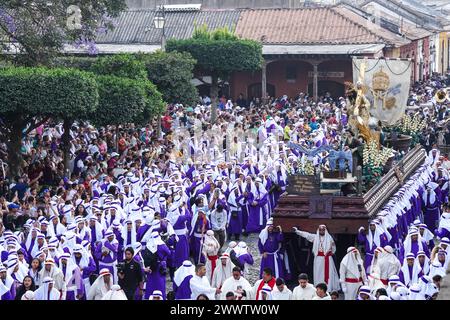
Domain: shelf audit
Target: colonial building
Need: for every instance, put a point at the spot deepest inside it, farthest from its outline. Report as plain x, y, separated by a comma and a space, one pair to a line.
424, 26
308, 50
305, 49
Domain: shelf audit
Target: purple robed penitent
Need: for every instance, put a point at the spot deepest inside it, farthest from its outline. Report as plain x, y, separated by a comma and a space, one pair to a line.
109, 261
90, 269
277, 193
432, 211
415, 248
183, 292
75, 284
155, 280
196, 239
371, 246
273, 259
182, 245
257, 215
235, 223
141, 232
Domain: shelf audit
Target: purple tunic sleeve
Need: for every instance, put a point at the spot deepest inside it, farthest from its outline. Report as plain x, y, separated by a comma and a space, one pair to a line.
98, 251
112, 247
262, 202
90, 268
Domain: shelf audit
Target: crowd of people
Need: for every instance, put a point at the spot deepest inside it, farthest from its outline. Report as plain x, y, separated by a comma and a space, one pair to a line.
143, 214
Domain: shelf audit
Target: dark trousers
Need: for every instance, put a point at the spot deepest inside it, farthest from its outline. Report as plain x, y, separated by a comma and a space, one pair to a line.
220, 236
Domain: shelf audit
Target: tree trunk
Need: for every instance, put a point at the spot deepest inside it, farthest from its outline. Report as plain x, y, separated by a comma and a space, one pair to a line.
214, 94
117, 138
66, 146
14, 145
158, 124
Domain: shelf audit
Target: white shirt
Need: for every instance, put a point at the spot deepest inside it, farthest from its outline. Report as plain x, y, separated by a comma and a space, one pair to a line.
93, 149
218, 220
286, 294
307, 293
232, 284
327, 297
201, 285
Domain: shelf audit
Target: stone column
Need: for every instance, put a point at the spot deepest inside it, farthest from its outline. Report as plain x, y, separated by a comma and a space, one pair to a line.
264, 81
316, 81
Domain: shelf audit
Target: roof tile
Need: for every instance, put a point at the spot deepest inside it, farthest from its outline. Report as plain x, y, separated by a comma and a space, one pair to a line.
302, 26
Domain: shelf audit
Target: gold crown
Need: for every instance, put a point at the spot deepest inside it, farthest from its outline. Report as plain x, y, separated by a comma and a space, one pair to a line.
380, 80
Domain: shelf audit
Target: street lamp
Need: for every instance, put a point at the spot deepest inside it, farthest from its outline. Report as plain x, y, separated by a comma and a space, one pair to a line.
160, 23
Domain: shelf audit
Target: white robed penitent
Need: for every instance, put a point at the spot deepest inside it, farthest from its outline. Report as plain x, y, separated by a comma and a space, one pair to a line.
323, 247
352, 273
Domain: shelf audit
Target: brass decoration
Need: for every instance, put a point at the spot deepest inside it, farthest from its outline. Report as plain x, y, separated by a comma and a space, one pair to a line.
380, 87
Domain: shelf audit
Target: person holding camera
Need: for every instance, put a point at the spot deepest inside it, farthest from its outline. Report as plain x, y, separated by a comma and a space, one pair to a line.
130, 275
155, 264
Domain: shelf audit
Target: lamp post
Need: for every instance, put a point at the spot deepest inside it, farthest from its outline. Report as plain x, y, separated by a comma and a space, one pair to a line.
160, 23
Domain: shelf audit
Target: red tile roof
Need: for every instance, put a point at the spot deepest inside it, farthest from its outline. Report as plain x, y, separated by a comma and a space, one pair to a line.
303, 26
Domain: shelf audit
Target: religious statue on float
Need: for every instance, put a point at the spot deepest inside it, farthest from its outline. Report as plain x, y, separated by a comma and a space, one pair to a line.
360, 120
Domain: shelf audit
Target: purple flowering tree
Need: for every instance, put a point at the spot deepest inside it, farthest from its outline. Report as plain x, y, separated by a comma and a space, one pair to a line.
34, 32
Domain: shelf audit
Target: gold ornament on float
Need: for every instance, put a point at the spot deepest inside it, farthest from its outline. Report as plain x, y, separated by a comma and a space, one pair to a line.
380, 87
380, 81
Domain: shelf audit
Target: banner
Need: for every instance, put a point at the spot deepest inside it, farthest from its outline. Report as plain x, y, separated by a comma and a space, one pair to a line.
386, 85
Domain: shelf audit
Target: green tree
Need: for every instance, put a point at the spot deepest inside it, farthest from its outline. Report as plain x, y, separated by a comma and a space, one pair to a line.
30, 96
130, 67
120, 65
172, 73
124, 100
219, 53
121, 100
154, 104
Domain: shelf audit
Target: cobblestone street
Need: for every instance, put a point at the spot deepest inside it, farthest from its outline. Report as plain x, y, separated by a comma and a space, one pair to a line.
252, 243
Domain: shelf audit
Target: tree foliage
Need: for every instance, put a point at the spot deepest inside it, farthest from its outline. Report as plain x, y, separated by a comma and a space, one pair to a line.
220, 51
128, 67
203, 33
154, 103
63, 93
39, 29
124, 100
172, 73
120, 65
